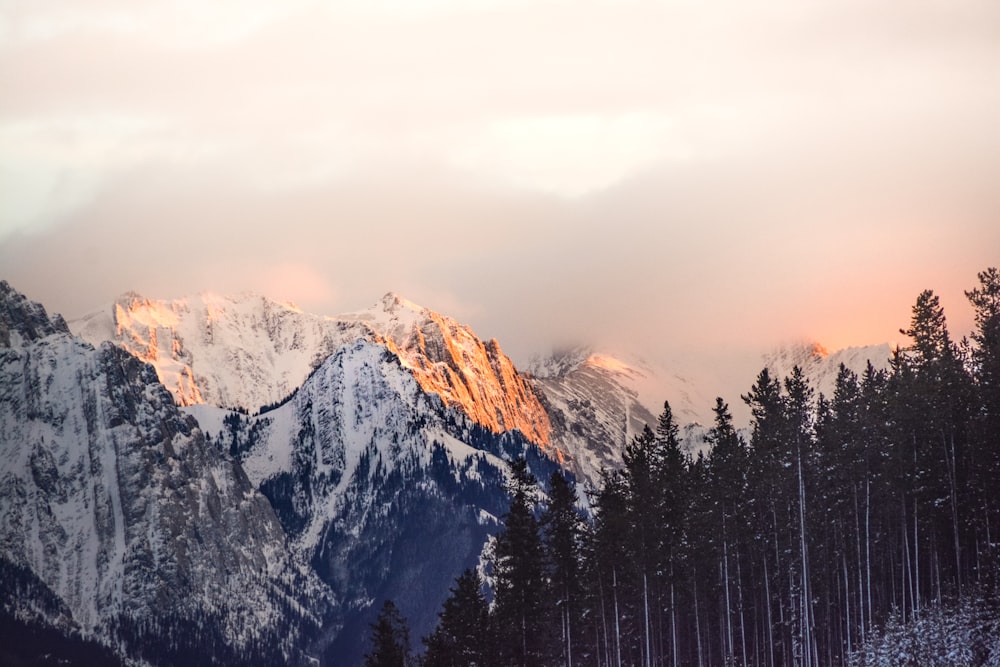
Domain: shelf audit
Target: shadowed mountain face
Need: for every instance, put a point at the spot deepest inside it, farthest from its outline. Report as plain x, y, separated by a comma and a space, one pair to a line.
117, 506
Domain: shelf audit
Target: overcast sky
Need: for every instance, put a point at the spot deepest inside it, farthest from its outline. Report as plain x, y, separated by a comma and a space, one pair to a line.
674, 177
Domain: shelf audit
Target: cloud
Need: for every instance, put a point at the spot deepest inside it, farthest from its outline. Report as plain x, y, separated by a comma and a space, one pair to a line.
654, 175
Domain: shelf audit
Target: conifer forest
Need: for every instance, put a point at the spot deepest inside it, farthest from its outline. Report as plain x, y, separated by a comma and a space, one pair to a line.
861, 528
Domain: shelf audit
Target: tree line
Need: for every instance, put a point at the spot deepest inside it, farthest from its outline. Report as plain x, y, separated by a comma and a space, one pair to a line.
835, 522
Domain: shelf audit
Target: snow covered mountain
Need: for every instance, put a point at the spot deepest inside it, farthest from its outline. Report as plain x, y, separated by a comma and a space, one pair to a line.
248, 352
593, 406
386, 491
244, 351
120, 521
580, 405
820, 366
268, 477
597, 401
264, 538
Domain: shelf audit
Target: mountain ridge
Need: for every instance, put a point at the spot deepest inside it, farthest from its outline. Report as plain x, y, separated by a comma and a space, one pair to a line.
284, 344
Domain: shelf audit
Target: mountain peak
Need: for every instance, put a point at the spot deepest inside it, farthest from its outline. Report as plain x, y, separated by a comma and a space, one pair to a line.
393, 302
821, 365
448, 359
24, 320
248, 351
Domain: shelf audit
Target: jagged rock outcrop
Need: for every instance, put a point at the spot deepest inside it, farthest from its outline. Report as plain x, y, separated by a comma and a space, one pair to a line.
23, 321
448, 359
117, 505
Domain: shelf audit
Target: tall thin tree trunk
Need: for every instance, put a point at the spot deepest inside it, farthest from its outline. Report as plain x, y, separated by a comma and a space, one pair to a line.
861, 571
604, 623
645, 604
807, 602
916, 561
868, 544
739, 599
767, 603
847, 602
618, 631
725, 576
905, 569
785, 649
697, 620
673, 613
953, 484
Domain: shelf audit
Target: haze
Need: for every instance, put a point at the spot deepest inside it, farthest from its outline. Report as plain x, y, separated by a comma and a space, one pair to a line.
698, 181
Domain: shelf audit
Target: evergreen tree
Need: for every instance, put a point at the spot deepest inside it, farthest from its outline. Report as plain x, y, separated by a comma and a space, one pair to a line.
461, 638
935, 412
798, 421
725, 493
671, 498
643, 508
985, 437
770, 492
518, 576
390, 639
563, 529
612, 554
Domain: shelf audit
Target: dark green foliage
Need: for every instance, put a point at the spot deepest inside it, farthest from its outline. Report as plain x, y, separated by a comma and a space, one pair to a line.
462, 635
390, 639
518, 576
36, 645
856, 527
563, 529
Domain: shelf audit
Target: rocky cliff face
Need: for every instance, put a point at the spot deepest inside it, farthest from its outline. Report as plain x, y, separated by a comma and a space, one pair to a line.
244, 351
23, 321
449, 360
120, 508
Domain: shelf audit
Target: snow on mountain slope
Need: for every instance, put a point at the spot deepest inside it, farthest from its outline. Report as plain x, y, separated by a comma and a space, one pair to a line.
117, 505
449, 360
382, 487
820, 366
244, 351
598, 401
248, 352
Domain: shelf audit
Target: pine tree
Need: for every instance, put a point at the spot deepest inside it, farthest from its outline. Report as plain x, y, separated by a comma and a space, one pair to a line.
671, 497
937, 388
390, 639
985, 369
644, 524
725, 479
798, 421
769, 496
461, 638
611, 553
563, 529
518, 576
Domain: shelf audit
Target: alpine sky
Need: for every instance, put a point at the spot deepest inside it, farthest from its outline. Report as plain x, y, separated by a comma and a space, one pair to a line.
670, 177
